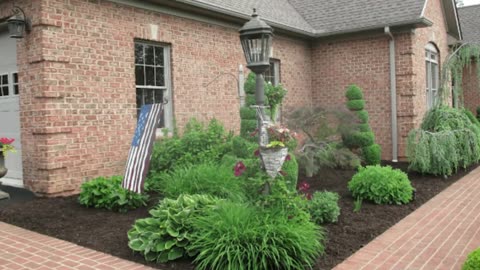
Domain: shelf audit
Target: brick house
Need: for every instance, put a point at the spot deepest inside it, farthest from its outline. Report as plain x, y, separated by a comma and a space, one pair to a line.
72, 86
470, 22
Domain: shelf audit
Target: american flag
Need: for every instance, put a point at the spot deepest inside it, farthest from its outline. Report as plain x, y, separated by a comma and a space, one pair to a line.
141, 149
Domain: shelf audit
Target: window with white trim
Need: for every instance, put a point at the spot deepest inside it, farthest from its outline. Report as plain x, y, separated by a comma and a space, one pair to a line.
9, 84
152, 76
273, 72
432, 74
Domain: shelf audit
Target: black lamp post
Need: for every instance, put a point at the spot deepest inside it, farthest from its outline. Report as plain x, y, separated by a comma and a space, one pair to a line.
18, 23
256, 38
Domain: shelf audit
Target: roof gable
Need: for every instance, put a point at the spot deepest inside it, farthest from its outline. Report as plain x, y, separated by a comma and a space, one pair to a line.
470, 22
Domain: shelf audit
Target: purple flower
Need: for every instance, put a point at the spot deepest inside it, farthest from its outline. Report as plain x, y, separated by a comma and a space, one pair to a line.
257, 152
304, 187
239, 168
288, 157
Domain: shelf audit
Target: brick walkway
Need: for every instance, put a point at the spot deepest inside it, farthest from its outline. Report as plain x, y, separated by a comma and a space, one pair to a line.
438, 235
23, 249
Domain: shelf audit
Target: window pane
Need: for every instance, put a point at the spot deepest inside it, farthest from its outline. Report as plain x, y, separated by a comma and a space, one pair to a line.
139, 54
434, 76
150, 76
148, 96
160, 76
15, 88
427, 74
15, 77
139, 75
139, 98
159, 56
5, 90
158, 96
4, 79
149, 55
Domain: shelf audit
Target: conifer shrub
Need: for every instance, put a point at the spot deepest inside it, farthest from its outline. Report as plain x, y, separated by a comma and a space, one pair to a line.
381, 185
473, 261
447, 140
360, 138
242, 236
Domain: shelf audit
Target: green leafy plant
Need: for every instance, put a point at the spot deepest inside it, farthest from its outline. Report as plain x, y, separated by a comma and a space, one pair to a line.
166, 235
382, 185
108, 193
275, 95
372, 154
323, 207
357, 205
473, 261
447, 140
207, 178
356, 105
238, 236
6, 146
354, 93
478, 112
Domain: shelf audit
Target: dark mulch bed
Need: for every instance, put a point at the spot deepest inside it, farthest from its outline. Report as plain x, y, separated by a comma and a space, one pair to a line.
105, 231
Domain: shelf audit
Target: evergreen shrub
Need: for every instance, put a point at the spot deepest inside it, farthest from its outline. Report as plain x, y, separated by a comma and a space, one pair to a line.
372, 154
354, 93
356, 105
473, 261
108, 193
382, 185
363, 117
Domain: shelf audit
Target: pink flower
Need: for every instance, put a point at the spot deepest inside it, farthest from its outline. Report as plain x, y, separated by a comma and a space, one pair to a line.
288, 157
239, 168
304, 187
6, 140
257, 152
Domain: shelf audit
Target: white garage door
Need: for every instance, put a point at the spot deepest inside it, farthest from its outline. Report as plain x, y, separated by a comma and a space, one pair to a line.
9, 107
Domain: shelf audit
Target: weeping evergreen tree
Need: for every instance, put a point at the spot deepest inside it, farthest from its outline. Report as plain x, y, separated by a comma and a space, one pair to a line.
449, 138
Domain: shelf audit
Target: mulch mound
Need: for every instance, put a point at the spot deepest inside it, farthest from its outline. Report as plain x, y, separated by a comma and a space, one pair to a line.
106, 231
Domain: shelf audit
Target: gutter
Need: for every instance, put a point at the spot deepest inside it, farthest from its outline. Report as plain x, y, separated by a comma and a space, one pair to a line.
393, 94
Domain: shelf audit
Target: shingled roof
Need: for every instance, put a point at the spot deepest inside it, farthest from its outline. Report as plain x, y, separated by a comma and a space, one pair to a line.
470, 22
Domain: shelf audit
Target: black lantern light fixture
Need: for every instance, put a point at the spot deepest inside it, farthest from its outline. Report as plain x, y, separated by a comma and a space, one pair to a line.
256, 38
18, 23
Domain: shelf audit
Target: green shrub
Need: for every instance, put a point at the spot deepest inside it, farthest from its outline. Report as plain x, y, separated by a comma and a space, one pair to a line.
248, 126
248, 113
447, 140
108, 193
250, 84
382, 185
356, 105
354, 93
470, 116
198, 144
357, 139
243, 148
372, 154
290, 168
363, 116
323, 207
239, 236
166, 234
364, 128
211, 179
473, 261
250, 101
478, 112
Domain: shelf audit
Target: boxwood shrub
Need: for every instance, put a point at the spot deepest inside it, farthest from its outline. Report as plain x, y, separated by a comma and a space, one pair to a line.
473, 261
382, 185
372, 154
323, 207
354, 93
104, 192
356, 105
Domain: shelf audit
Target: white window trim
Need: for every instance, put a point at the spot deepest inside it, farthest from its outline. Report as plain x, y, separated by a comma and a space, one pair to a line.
167, 94
11, 84
431, 93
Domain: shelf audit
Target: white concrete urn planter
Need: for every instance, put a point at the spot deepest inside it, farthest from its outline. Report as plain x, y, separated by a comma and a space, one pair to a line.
273, 159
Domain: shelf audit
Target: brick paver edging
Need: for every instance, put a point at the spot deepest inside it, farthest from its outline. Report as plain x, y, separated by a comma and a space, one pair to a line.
438, 235
23, 249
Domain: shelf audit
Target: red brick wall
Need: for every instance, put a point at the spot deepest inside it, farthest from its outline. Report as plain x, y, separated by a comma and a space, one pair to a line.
471, 88
78, 89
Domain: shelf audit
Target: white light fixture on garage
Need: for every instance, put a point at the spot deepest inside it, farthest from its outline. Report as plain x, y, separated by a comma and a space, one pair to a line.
18, 23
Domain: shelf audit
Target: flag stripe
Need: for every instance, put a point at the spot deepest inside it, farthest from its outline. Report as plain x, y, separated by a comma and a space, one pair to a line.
140, 152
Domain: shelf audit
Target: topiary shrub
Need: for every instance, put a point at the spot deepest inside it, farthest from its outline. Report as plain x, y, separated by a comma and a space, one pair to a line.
166, 235
108, 193
323, 207
207, 178
447, 140
372, 154
356, 105
354, 93
246, 237
473, 261
361, 135
382, 185
243, 148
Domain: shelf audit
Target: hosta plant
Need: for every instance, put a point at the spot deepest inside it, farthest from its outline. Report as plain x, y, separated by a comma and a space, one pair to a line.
108, 193
166, 234
382, 185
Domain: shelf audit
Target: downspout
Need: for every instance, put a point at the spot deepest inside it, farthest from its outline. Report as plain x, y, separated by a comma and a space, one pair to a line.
393, 95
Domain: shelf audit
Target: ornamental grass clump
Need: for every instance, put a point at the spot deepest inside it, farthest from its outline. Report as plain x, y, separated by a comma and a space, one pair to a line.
360, 137
108, 193
448, 139
381, 185
240, 236
165, 235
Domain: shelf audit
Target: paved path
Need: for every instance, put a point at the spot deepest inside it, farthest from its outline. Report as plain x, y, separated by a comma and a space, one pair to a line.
438, 235
23, 249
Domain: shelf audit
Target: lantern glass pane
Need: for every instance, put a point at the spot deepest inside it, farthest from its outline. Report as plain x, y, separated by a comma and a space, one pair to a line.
15, 28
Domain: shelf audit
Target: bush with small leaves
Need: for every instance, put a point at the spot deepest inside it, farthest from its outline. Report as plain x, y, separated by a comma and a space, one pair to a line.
354, 93
372, 154
357, 139
323, 207
166, 235
363, 117
108, 193
473, 261
356, 105
382, 185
